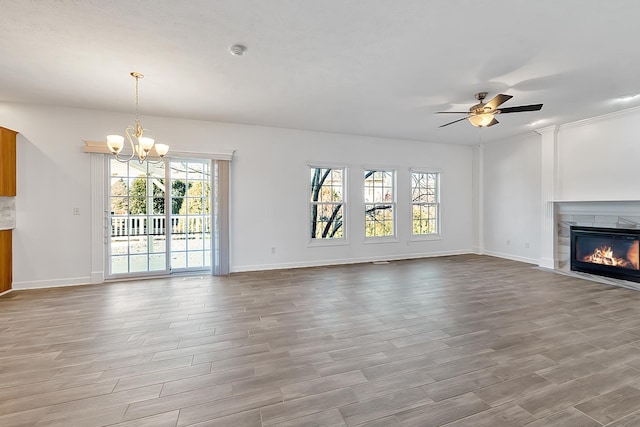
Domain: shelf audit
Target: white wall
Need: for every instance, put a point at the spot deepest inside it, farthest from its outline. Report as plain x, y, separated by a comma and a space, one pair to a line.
598, 158
52, 246
512, 198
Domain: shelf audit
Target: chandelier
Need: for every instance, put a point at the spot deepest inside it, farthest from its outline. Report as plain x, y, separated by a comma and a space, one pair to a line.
141, 145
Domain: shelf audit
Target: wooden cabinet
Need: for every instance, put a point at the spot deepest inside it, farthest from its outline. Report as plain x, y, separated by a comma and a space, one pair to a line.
7, 189
6, 271
7, 162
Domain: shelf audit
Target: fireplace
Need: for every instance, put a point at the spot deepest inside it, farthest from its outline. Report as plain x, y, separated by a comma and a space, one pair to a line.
610, 252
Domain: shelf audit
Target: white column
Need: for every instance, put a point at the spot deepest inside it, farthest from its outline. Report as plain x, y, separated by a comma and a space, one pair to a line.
97, 217
549, 169
478, 199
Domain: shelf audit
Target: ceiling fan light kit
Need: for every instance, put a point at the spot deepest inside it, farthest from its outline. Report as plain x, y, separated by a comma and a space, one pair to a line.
481, 120
483, 114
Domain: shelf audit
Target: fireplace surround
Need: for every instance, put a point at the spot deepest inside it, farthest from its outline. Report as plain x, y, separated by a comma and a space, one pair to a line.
609, 252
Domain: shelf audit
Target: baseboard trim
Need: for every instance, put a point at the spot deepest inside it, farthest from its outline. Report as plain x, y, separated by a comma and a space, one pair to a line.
513, 257
305, 264
547, 263
54, 283
78, 281
5, 292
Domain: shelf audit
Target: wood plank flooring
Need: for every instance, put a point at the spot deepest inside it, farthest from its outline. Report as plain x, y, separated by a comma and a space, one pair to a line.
456, 341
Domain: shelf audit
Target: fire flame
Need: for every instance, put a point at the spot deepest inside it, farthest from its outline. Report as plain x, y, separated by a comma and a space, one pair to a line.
604, 255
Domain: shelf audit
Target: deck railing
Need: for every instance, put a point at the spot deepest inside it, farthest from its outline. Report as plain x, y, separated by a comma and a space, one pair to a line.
137, 225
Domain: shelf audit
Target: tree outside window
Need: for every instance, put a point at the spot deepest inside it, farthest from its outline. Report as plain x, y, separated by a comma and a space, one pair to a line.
327, 203
380, 201
425, 202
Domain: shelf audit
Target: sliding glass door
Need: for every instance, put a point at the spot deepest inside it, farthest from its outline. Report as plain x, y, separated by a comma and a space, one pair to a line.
159, 218
190, 215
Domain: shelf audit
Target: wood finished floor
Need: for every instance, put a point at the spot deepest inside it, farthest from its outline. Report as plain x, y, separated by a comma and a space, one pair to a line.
456, 341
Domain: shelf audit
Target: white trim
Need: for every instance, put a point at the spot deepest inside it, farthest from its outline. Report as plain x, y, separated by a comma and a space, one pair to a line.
479, 205
221, 154
549, 263
425, 238
327, 165
100, 147
53, 283
617, 207
341, 261
425, 170
513, 257
98, 223
594, 119
380, 239
548, 189
320, 243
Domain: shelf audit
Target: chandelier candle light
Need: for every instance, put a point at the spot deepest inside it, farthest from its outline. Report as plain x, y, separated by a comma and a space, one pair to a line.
143, 144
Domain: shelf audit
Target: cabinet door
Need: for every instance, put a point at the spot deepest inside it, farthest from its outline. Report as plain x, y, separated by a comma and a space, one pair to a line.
7, 162
6, 276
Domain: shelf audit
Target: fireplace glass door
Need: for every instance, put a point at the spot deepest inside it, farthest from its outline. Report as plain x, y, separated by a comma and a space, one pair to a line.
608, 252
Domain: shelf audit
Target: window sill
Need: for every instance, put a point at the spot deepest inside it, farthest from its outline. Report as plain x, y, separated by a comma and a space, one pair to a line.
426, 238
385, 239
319, 243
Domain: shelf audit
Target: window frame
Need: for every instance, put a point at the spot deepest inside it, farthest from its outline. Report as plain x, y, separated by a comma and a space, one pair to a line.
393, 202
327, 241
438, 204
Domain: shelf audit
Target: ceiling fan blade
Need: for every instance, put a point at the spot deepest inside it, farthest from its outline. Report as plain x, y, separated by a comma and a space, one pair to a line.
452, 112
492, 122
498, 100
521, 108
455, 121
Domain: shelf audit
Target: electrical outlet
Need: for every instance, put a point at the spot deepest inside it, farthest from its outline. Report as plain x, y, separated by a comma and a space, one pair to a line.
273, 250
526, 245
76, 211
508, 242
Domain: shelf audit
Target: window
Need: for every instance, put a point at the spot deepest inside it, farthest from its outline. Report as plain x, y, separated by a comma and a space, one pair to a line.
425, 199
327, 203
379, 203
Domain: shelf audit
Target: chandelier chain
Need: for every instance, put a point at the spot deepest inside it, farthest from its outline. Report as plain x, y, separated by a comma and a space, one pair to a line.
137, 114
138, 131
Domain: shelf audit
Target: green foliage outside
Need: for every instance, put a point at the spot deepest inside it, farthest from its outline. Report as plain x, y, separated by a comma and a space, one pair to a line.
119, 200
138, 196
136, 202
424, 219
378, 220
197, 199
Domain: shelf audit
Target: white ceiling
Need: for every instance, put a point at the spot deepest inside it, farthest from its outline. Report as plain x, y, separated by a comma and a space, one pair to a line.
367, 67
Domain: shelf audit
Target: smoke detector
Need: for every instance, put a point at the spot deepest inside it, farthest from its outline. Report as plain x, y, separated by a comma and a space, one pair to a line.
237, 49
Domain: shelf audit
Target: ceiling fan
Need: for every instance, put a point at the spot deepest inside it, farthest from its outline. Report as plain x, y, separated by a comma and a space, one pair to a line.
483, 114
